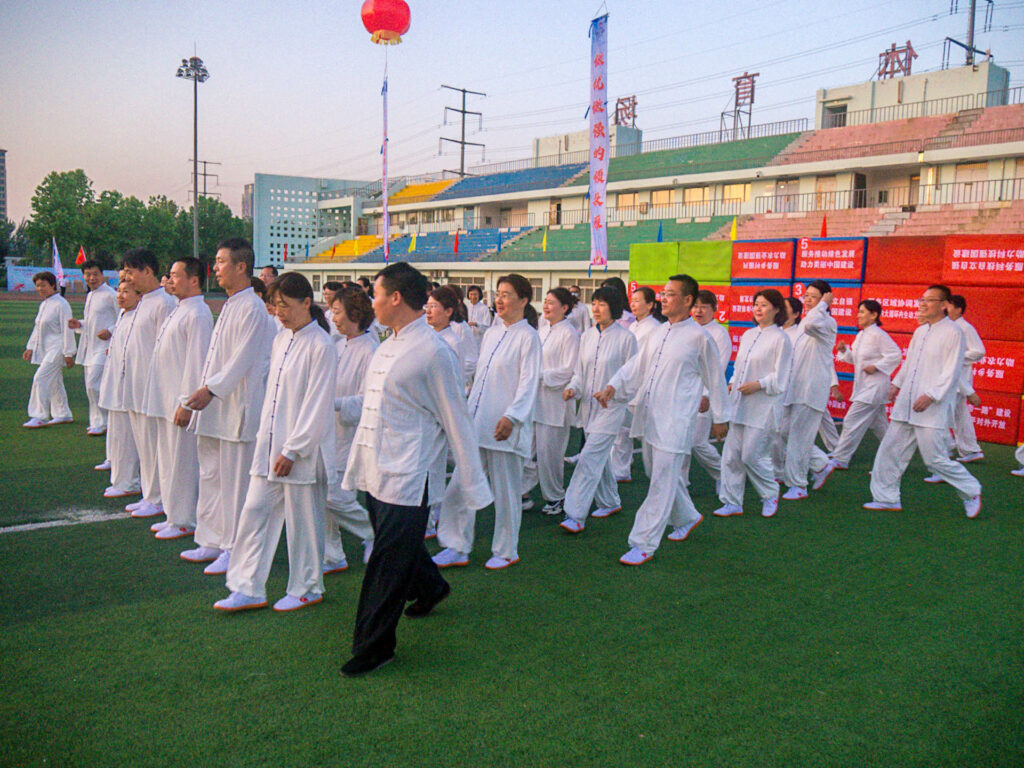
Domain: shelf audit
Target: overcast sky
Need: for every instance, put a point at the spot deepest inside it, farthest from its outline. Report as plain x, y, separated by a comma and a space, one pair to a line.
295, 86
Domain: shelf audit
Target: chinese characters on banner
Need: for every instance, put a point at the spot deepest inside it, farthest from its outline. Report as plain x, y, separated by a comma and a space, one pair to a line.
832, 259
599, 146
763, 260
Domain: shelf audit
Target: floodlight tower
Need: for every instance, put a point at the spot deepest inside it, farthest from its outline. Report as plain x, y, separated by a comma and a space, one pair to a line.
193, 69
743, 102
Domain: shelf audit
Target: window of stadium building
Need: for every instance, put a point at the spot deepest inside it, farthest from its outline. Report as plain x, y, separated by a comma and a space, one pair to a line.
661, 197
464, 281
736, 192
626, 199
316, 283
695, 195
587, 285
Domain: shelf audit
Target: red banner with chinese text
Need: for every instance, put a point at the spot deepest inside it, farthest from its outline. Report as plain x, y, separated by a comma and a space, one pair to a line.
830, 259
984, 260
763, 259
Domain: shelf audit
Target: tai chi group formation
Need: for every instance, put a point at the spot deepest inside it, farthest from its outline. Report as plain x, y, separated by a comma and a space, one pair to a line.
434, 407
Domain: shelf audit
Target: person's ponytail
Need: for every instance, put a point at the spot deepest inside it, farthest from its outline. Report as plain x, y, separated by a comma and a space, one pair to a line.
531, 315
318, 314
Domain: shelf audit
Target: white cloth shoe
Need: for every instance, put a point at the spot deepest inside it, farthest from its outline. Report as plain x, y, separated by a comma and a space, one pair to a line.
201, 554
338, 567
367, 550
972, 506
35, 423
934, 479
553, 508
145, 509
571, 525
169, 532
769, 507
59, 420
976, 456
158, 526
500, 563
727, 510
431, 532
236, 601
103, 466
795, 493
636, 557
96, 431
818, 478
134, 505
572, 459
1019, 471
448, 558
883, 506
527, 503
605, 511
219, 567
292, 603
680, 532
115, 493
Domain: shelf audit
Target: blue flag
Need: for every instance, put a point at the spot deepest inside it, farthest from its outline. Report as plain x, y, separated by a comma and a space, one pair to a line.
659, 230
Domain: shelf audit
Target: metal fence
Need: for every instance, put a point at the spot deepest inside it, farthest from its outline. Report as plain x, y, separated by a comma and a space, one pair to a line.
925, 108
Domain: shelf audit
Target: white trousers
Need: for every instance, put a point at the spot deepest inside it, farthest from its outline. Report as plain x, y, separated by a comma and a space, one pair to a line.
343, 511
963, 428
593, 478
178, 466
703, 450
858, 420
828, 432
124, 457
455, 528
1019, 455
668, 500
549, 468
778, 436
622, 451
801, 452
97, 415
146, 433
48, 399
897, 449
269, 505
223, 484
747, 453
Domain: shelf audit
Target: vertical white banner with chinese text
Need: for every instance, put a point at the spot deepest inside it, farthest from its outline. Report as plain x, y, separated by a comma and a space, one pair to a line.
599, 149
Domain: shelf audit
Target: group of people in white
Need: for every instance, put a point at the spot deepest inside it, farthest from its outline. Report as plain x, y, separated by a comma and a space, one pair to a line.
276, 416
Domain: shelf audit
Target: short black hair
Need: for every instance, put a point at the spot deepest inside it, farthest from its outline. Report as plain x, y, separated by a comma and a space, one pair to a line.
610, 296
366, 282
333, 285
797, 306
193, 266
705, 296
690, 286
959, 302
48, 277
773, 297
478, 289
271, 267
141, 258
404, 278
258, 287
241, 251
874, 308
91, 264
947, 295
821, 285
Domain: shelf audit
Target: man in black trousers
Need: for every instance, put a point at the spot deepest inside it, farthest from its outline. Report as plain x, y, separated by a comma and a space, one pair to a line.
413, 403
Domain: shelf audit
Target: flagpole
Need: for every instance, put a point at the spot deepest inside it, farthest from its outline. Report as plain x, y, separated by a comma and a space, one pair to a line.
385, 219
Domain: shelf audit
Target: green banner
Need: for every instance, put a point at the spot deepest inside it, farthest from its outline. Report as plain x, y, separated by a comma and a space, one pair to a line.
652, 263
705, 261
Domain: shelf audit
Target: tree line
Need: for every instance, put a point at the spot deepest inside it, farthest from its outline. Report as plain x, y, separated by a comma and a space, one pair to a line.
65, 207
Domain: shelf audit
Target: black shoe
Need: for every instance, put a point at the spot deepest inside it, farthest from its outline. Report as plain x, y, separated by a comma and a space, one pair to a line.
363, 665
423, 607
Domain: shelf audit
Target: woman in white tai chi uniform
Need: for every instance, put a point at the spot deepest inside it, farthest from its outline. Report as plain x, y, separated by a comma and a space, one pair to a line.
293, 461
96, 327
501, 404
353, 315
560, 348
52, 347
604, 349
704, 313
123, 457
478, 314
806, 398
647, 311
463, 331
874, 356
758, 379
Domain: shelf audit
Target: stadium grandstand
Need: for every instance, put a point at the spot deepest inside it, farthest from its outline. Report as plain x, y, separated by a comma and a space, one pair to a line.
925, 154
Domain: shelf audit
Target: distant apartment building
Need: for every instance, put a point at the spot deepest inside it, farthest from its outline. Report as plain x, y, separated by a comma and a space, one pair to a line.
3, 183
247, 194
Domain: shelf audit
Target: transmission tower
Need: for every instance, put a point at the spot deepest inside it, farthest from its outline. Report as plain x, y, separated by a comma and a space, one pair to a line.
461, 141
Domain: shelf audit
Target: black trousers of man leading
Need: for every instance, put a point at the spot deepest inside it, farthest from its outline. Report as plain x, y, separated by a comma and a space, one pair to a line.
399, 570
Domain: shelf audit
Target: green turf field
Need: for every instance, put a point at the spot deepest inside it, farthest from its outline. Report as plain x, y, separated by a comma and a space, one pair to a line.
827, 636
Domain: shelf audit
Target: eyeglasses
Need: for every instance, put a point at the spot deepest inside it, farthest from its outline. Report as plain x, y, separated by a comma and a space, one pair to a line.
925, 301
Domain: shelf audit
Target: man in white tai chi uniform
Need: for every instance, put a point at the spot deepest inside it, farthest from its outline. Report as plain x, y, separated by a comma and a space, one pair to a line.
964, 435
925, 387
704, 313
174, 374
52, 347
155, 304
669, 376
96, 327
229, 400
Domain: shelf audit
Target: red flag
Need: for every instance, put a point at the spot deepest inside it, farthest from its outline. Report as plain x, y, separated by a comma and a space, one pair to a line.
824, 226
286, 251
456, 248
80, 258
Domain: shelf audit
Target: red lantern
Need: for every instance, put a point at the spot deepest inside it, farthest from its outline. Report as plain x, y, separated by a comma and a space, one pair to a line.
386, 20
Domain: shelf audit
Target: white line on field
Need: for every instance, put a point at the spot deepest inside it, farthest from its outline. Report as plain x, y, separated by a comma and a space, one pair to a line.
69, 517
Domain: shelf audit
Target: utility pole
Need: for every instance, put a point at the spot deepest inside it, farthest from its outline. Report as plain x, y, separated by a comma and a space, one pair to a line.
193, 69
462, 141
206, 175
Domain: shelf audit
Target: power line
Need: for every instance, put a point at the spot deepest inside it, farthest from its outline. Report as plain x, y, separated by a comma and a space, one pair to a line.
463, 112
